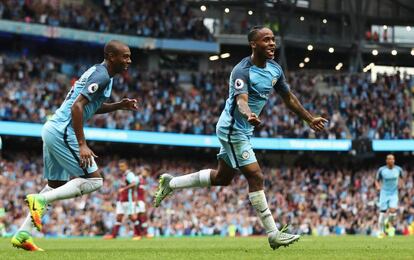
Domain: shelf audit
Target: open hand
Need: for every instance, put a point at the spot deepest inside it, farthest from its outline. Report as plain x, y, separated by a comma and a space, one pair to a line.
86, 156
254, 120
318, 123
129, 104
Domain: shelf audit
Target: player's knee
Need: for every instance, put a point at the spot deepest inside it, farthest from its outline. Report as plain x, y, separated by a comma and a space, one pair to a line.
222, 181
256, 176
90, 185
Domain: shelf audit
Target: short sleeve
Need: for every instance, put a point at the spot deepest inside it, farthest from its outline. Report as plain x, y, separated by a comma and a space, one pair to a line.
131, 178
378, 177
281, 86
95, 84
239, 81
401, 172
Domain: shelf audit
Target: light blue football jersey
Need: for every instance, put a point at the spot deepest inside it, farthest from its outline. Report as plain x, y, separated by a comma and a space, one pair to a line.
95, 85
258, 83
389, 178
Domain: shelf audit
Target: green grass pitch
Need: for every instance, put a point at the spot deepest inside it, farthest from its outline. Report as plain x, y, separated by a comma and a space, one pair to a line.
344, 247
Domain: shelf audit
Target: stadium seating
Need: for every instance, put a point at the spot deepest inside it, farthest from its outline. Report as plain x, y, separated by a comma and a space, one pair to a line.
161, 19
313, 200
32, 89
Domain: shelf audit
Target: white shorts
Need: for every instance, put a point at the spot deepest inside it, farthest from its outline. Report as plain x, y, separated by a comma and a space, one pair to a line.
141, 206
126, 207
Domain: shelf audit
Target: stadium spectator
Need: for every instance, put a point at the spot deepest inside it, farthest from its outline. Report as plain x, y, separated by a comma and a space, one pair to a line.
160, 19
32, 88
315, 201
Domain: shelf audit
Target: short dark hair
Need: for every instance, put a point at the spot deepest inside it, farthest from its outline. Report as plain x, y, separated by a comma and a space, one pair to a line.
113, 47
123, 161
253, 31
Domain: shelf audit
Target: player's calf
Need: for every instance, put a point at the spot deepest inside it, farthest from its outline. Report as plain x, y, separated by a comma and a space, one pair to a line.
74, 188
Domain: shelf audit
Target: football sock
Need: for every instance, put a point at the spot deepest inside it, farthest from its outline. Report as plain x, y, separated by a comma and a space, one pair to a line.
137, 229
391, 217
381, 220
143, 224
74, 188
197, 179
27, 223
259, 202
115, 229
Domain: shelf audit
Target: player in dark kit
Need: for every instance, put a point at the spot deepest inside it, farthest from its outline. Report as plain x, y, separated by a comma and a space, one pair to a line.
141, 202
251, 82
127, 201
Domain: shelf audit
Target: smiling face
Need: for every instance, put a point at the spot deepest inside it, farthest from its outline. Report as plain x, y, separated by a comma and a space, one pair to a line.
121, 59
263, 44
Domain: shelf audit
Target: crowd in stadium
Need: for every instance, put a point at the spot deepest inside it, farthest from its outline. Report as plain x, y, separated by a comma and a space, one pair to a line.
160, 19
32, 89
312, 200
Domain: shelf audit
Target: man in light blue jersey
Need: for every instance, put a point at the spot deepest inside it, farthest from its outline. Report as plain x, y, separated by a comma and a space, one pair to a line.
251, 82
387, 182
69, 163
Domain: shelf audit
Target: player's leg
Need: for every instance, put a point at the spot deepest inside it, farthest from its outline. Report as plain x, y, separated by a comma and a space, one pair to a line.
119, 211
207, 177
204, 178
117, 226
65, 152
242, 153
75, 187
383, 205
393, 206
137, 229
392, 214
143, 225
23, 237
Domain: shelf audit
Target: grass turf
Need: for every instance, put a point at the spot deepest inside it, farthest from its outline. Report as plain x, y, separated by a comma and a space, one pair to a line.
344, 247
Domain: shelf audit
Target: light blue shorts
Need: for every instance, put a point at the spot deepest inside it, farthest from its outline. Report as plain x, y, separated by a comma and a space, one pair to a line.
61, 156
235, 150
388, 200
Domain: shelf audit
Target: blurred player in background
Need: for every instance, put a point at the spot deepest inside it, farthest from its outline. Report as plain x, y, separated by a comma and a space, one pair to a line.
69, 164
387, 182
251, 82
127, 201
141, 201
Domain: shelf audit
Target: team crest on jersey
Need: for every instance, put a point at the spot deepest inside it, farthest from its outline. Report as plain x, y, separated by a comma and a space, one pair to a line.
274, 80
238, 84
245, 155
92, 88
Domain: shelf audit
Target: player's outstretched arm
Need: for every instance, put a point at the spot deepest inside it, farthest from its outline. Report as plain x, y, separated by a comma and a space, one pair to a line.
85, 153
292, 102
124, 104
244, 109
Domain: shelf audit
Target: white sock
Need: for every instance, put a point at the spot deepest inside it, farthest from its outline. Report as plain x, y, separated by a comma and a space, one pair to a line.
259, 202
381, 220
27, 223
391, 217
197, 179
74, 188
